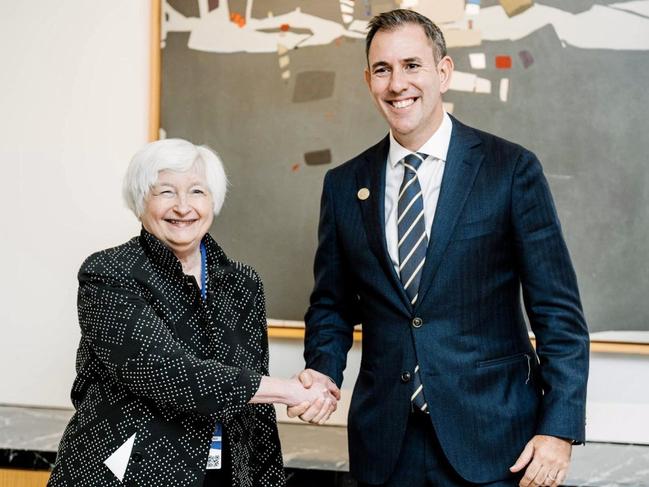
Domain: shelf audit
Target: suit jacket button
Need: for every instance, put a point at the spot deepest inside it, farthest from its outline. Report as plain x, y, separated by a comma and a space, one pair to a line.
136, 457
417, 322
405, 377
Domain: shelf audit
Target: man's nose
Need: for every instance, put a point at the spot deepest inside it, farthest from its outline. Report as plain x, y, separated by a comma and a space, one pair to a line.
398, 81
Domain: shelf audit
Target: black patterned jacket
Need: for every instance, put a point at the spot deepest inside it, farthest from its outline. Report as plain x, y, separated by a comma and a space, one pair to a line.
156, 361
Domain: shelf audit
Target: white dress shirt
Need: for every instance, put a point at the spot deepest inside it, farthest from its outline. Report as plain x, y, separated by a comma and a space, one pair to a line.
430, 179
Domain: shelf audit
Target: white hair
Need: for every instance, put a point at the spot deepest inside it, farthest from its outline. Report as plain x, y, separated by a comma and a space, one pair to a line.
177, 155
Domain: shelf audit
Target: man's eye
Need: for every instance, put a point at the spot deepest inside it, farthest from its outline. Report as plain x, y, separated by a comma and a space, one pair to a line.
412, 66
380, 72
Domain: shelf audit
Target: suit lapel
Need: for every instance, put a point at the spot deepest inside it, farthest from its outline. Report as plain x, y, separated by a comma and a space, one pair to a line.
370, 174
462, 165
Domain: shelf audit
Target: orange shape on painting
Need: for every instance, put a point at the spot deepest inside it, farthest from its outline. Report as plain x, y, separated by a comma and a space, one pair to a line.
295, 167
284, 27
503, 62
238, 19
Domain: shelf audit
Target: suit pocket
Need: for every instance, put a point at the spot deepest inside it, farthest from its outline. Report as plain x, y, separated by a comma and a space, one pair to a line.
465, 231
508, 359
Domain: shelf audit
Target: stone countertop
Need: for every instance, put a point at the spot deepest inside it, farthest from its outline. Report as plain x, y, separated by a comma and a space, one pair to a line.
29, 438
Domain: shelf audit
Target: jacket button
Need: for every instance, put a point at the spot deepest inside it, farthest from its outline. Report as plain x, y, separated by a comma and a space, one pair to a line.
405, 377
137, 457
417, 322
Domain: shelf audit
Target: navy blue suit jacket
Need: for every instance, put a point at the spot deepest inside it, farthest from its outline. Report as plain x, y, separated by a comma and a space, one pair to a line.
495, 233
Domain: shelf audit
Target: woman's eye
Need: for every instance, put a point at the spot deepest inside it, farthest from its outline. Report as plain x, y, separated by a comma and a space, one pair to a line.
198, 191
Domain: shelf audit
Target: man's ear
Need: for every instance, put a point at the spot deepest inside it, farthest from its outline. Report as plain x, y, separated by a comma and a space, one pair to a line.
445, 69
368, 78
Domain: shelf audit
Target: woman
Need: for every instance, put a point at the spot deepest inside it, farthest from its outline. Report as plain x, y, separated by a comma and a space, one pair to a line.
172, 366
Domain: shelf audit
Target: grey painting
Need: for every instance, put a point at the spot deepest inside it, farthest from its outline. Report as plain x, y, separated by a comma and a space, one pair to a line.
276, 87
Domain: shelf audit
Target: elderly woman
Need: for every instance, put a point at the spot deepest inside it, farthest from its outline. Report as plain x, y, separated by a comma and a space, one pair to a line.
172, 384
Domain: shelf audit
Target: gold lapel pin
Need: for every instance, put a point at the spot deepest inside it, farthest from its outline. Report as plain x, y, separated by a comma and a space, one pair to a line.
363, 194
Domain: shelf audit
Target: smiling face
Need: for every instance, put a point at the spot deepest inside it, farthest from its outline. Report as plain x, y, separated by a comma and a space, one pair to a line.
178, 210
406, 83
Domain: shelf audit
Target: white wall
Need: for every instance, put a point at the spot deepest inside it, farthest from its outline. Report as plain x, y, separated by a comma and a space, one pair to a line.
74, 98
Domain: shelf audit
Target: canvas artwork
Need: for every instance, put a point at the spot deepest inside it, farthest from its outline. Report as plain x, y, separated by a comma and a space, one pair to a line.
276, 87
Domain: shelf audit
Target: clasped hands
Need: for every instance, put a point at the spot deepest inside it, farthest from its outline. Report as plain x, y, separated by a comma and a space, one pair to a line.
316, 397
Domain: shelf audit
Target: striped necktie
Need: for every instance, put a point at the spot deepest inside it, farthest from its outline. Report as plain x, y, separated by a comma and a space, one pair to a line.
412, 245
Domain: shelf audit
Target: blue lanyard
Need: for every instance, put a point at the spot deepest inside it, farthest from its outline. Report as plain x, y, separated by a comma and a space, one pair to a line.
203, 272
215, 447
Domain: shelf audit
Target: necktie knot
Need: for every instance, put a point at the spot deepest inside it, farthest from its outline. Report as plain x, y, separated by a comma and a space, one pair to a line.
413, 161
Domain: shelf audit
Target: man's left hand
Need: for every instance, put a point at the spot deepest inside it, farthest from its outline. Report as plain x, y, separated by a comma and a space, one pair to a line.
547, 459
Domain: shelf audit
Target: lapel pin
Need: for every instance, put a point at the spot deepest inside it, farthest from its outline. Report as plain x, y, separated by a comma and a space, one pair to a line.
363, 194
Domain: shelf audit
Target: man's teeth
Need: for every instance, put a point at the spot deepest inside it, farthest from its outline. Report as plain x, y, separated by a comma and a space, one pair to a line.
403, 103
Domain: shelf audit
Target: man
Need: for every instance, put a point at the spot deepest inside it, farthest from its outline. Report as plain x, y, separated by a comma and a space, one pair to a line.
427, 239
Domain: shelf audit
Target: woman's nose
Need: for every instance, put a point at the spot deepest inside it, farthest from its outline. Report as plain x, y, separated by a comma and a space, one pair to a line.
182, 204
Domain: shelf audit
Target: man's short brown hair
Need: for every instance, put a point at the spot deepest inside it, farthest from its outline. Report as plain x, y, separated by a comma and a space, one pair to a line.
394, 19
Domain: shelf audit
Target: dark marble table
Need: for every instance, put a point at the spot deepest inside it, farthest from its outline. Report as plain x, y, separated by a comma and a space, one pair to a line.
29, 438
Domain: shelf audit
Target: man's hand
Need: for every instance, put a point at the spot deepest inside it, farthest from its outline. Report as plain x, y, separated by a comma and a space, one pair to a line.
319, 411
548, 458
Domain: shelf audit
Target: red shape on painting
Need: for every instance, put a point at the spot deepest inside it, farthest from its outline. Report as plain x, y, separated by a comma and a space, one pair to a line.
295, 167
284, 27
503, 62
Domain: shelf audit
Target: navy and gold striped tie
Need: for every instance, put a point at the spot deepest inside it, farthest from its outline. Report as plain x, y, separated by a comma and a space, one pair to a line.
412, 245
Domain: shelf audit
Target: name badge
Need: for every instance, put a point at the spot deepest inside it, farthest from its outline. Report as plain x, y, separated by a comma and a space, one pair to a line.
216, 449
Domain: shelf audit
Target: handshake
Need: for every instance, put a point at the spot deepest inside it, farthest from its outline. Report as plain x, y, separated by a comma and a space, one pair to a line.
313, 397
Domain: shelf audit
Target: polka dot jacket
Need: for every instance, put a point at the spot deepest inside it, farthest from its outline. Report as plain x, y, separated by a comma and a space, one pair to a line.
158, 362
